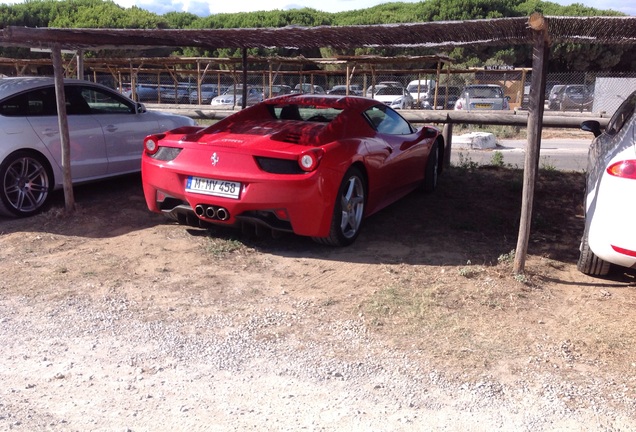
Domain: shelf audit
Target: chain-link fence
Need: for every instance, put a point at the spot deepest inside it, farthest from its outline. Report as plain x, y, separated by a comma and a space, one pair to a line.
597, 92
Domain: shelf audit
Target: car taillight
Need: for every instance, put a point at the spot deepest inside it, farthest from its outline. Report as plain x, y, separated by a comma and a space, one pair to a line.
624, 251
309, 160
151, 143
624, 169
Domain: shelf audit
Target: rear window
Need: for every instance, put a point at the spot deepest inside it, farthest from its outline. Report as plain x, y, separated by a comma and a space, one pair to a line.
484, 92
306, 113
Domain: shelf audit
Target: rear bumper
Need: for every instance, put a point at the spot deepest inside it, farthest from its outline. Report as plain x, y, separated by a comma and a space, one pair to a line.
611, 234
302, 204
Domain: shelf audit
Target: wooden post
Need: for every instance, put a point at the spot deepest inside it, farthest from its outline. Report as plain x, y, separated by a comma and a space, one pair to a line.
447, 134
437, 75
199, 80
244, 102
540, 53
80, 64
271, 81
65, 140
264, 84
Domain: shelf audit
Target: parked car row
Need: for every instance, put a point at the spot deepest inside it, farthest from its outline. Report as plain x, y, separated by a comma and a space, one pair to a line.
163, 94
424, 94
233, 97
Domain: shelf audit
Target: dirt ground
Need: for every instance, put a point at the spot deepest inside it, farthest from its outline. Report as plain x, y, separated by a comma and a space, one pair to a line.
113, 318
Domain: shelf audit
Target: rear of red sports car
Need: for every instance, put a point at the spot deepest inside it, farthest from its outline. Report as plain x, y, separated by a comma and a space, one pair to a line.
307, 164
256, 166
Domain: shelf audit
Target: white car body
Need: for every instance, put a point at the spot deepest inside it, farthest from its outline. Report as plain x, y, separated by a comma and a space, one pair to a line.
421, 89
106, 131
395, 97
610, 207
234, 97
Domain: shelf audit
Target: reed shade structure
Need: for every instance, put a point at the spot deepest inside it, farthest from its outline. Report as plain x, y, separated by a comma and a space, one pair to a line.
538, 31
502, 31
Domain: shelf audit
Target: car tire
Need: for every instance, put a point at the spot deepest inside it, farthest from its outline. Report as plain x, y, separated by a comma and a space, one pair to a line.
348, 211
589, 263
26, 182
431, 174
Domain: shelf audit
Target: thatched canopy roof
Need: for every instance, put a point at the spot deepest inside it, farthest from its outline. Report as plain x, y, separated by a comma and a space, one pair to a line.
503, 31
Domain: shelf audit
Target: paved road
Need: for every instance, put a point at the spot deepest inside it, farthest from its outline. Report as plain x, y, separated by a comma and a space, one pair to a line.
562, 154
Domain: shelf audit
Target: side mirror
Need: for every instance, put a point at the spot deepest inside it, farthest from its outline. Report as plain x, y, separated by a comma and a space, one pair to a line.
591, 126
140, 108
428, 132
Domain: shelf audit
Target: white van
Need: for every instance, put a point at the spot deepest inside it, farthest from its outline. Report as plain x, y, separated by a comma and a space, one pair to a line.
421, 89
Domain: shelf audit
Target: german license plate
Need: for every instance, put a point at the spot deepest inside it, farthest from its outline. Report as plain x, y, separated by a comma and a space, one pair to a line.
483, 105
221, 188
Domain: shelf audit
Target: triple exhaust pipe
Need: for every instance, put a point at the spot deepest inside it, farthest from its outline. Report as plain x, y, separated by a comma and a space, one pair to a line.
212, 212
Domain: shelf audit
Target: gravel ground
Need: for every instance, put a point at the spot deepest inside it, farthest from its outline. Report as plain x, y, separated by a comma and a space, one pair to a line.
96, 364
113, 320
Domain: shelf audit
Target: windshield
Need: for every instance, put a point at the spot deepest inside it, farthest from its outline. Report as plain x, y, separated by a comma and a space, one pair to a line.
393, 91
413, 88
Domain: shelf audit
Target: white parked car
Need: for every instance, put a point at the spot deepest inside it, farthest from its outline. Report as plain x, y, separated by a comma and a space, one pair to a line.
610, 208
106, 132
421, 89
372, 89
395, 97
233, 97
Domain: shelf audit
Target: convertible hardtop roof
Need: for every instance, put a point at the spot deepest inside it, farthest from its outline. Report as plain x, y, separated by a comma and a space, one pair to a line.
335, 101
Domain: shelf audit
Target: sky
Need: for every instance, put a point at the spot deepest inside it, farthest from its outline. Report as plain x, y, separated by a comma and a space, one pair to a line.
207, 7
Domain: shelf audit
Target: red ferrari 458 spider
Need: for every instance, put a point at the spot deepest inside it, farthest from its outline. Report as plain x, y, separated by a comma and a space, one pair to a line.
314, 165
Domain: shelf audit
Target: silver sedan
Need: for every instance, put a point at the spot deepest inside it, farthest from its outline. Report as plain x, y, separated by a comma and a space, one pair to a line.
106, 137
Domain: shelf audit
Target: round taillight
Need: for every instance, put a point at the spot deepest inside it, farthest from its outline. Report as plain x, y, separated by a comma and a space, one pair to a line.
151, 145
308, 161
625, 169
